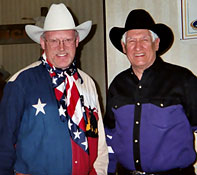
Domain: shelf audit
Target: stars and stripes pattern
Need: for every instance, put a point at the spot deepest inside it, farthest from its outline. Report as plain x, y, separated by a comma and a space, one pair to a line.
71, 109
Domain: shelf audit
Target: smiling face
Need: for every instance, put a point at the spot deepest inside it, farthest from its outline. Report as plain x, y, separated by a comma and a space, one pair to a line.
140, 48
60, 47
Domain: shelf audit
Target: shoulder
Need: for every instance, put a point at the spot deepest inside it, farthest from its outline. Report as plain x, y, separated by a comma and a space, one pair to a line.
33, 65
176, 70
122, 76
87, 80
84, 75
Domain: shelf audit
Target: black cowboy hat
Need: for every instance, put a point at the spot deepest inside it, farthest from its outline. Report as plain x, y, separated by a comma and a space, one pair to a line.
141, 19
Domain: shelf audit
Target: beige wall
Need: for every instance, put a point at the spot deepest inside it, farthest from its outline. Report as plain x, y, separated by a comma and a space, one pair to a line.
168, 11
15, 57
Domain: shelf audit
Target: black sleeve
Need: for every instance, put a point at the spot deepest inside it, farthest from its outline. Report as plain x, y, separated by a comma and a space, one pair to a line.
190, 101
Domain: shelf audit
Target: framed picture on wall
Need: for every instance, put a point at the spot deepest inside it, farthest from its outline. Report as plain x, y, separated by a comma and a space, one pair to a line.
189, 19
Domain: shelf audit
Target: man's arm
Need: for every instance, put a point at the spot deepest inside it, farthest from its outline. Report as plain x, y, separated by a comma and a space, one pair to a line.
101, 163
109, 124
9, 124
190, 100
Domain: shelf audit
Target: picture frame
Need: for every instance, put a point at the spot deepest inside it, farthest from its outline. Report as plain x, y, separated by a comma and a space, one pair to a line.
13, 34
188, 19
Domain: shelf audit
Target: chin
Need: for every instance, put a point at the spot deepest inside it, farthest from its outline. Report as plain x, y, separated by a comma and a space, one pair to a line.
63, 64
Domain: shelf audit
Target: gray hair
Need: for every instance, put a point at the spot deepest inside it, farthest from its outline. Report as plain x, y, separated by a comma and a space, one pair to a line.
153, 34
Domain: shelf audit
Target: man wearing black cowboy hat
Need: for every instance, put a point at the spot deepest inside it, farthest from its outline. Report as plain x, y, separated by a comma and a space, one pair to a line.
152, 106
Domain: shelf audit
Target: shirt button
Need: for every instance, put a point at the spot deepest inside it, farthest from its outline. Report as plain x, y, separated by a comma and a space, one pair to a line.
136, 141
137, 122
76, 162
137, 161
140, 86
138, 103
115, 106
161, 105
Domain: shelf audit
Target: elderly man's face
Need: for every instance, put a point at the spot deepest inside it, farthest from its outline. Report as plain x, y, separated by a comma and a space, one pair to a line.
60, 47
140, 49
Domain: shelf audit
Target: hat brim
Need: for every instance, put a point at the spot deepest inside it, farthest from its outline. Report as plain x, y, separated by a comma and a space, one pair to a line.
164, 33
34, 32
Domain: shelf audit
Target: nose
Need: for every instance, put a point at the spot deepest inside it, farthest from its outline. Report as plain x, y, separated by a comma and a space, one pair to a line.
61, 44
138, 45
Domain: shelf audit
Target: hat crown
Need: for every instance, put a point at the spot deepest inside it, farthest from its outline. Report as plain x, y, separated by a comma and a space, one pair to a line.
139, 19
58, 18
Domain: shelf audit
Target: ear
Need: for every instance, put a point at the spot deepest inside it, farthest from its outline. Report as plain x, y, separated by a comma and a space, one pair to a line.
42, 43
77, 41
123, 47
157, 41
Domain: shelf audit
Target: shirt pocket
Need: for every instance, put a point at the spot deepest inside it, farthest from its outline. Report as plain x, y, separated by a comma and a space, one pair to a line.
166, 117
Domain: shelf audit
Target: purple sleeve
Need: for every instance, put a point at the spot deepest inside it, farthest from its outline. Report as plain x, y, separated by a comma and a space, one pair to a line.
112, 154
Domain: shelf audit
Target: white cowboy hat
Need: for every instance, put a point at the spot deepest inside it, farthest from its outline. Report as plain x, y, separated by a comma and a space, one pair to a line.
58, 18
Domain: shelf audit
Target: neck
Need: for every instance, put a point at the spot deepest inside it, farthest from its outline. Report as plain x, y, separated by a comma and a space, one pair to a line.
138, 72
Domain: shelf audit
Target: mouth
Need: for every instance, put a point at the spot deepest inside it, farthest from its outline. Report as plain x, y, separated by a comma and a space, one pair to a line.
62, 55
139, 54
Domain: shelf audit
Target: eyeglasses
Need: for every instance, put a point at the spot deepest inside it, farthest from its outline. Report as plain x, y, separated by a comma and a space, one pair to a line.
57, 42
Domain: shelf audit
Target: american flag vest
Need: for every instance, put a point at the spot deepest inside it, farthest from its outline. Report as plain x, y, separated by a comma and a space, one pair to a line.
81, 120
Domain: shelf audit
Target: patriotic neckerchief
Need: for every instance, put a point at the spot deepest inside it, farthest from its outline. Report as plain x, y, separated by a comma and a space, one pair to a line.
71, 110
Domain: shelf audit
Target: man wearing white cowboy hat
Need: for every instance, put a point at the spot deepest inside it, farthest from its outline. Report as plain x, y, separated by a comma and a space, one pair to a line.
51, 122
152, 106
